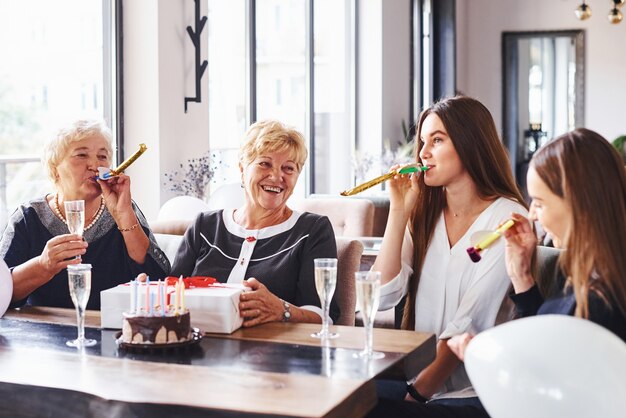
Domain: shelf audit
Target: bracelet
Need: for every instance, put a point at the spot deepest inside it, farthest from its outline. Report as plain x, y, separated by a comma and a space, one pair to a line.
415, 394
128, 229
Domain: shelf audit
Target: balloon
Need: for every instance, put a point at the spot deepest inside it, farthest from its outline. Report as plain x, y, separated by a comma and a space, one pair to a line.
549, 366
6, 287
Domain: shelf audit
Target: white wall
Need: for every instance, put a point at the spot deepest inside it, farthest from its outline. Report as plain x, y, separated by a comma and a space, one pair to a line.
480, 24
158, 75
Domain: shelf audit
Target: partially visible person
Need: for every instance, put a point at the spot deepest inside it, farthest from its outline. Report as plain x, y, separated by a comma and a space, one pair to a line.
578, 186
264, 244
117, 242
468, 188
6, 287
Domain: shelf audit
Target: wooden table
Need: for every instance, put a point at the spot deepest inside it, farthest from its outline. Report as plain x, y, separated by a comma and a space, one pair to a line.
274, 369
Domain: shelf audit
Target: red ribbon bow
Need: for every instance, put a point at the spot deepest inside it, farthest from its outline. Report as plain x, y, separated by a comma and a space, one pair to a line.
191, 282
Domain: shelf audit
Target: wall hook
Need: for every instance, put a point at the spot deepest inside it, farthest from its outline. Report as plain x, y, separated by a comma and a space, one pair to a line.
200, 67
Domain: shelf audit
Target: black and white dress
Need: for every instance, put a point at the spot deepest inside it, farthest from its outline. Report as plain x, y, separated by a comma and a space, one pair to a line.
280, 256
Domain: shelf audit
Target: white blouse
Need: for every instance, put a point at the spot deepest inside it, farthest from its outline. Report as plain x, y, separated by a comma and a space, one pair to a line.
456, 295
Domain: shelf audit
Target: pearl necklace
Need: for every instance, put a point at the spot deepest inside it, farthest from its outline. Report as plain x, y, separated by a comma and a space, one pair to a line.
95, 218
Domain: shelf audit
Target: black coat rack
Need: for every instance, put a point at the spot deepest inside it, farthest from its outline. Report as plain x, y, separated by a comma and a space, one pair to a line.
200, 67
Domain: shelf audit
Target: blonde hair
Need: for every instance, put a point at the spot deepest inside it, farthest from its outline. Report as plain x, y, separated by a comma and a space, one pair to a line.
272, 136
56, 149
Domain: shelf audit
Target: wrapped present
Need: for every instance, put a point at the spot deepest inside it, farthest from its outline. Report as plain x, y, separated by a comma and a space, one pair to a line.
214, 306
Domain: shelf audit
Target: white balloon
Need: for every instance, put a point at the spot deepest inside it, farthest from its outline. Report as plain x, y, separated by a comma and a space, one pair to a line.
6, 287
549, 366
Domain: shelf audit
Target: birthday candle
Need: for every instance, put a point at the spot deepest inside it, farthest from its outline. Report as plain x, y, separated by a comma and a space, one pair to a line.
151, 312
133, 296
181, 292
182, 298
147, 294
176, 297
161, 297
158, 294
139, 296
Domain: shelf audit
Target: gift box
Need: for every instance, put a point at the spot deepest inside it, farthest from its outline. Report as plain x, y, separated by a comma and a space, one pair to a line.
213, 309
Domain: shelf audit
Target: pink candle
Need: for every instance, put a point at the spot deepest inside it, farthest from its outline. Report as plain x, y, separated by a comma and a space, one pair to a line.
148, 308
177, 297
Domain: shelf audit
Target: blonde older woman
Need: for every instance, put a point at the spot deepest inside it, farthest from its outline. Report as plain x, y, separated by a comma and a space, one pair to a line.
264, 243
117, 242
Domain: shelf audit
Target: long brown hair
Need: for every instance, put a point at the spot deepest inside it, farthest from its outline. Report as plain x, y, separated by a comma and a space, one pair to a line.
588, 173
473, 133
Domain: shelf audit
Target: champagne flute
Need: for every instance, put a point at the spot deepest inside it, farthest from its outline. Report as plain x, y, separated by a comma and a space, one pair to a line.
75, 217
368, 298
79, 280
325, 283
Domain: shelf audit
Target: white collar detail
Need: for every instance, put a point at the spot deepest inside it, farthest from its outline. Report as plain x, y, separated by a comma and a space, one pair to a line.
236, 229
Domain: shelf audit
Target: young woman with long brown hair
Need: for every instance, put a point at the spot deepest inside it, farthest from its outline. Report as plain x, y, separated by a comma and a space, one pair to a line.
468, 188
578, 186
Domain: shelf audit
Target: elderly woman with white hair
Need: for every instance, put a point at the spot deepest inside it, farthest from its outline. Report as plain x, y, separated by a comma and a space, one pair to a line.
116, 241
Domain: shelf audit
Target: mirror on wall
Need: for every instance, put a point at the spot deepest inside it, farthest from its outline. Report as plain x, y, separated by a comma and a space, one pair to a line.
543, 88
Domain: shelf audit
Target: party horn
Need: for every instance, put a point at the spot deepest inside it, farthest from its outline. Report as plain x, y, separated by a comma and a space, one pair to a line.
105, 173
404, 170
487, 240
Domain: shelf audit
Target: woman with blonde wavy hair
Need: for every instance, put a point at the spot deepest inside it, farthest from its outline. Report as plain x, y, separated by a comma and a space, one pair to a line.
264, 244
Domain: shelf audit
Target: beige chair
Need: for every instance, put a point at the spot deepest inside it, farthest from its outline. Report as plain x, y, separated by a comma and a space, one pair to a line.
177, 214
182, 208
381, 209
169, 243
348, 261
349, 217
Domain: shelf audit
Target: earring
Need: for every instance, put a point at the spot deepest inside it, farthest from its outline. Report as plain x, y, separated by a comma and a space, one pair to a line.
242, 184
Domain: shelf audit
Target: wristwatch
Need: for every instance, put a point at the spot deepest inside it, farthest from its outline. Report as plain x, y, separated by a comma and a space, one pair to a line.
415, 394
286, 311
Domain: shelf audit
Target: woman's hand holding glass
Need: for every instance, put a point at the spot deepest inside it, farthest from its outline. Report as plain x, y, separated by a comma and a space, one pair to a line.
61, 251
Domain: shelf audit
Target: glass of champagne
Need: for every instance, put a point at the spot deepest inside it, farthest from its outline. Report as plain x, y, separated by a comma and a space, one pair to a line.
325, 283
368, 298
75, 216
79, 280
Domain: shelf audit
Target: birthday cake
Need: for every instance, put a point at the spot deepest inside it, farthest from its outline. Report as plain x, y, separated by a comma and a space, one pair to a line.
156, 329
155, 315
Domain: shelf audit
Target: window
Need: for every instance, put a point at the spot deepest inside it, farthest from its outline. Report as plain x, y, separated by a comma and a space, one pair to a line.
278, 79
333, 93
56, 68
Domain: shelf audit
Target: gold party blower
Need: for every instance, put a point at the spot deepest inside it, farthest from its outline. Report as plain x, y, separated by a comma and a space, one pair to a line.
368, 184
105, 173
